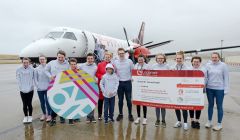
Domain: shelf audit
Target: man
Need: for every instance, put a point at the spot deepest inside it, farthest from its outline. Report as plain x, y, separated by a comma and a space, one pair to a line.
124, 68
52, 69
90, 67
73, 66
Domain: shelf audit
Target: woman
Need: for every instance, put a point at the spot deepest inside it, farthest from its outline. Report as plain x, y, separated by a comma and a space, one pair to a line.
196, 65
25, 79
217, 86
141, 65
160, 65
42, 82
181, 66
101, 70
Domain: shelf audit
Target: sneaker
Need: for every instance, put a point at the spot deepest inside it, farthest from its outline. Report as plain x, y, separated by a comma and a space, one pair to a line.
137, 121
99, 118
197, 125
163, 124
52, 122
76, 120
177, 124
43, 117
112, 120
208, 124
93, 120
29, 120
70, 122
144, 121
49, 118
106, 121
130, 118
185, 126
193, 124
217, 127
25, 120
62, 120
119, 117
157, 123
88, 120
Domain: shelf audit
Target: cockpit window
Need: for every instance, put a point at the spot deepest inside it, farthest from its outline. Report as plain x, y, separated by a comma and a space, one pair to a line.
54, 35
70, 35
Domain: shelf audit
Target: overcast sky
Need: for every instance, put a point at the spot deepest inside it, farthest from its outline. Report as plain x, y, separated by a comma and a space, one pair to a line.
190, 23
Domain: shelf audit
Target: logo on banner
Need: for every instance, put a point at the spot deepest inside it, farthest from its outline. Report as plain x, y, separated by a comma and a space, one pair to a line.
139, 72
73, 94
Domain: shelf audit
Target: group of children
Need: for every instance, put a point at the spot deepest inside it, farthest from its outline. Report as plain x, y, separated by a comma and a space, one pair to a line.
114, 78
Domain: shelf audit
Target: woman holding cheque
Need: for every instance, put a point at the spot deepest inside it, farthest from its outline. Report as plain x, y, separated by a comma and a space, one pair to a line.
196, 65
141, 65
181, 66
160, 65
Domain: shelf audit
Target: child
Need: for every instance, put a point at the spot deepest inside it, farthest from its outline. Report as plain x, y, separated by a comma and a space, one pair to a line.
109, 86
25, 79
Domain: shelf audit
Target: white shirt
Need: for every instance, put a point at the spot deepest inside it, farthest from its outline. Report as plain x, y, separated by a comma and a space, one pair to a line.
124, 69
25, 79
41, 79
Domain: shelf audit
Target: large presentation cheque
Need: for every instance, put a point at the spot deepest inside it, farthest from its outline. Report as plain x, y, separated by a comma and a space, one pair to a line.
168, 89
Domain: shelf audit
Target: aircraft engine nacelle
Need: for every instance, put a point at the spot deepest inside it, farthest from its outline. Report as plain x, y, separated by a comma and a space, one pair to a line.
141, 50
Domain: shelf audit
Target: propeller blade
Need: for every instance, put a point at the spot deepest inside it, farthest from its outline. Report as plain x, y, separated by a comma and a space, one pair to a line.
148, 43
158, 44
125, 32
196, 51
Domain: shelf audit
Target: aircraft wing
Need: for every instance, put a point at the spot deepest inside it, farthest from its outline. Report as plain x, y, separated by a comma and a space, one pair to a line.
196, 51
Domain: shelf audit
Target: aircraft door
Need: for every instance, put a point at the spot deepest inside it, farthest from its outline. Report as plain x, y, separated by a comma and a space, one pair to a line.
90, 42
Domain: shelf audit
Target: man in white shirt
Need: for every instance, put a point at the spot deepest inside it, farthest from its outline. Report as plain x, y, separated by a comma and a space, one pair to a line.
124, 68
52, 69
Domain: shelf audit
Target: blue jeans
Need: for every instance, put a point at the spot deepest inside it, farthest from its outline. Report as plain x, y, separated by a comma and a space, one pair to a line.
109, 104
44, 102
125, 87
211, 95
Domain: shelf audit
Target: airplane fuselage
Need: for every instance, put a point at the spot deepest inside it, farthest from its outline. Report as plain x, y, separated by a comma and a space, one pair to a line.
76, 43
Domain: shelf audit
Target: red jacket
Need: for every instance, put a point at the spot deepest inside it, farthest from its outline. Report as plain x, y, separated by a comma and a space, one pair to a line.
101, 70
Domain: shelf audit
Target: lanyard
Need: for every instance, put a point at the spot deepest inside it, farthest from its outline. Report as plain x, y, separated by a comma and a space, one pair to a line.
180, 67
141, 67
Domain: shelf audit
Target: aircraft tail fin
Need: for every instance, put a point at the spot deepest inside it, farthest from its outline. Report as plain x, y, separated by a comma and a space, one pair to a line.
139, 39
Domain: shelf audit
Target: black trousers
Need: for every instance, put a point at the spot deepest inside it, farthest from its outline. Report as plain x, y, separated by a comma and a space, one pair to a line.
27, 103
144, 111
100, 107
54, 115
197, 114
184, 113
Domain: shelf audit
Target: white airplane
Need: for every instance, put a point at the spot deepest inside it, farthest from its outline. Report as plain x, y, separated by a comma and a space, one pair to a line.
77, 43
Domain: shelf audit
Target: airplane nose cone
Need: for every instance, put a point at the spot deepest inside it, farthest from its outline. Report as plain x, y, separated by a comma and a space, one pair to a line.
29, 51
37, 48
